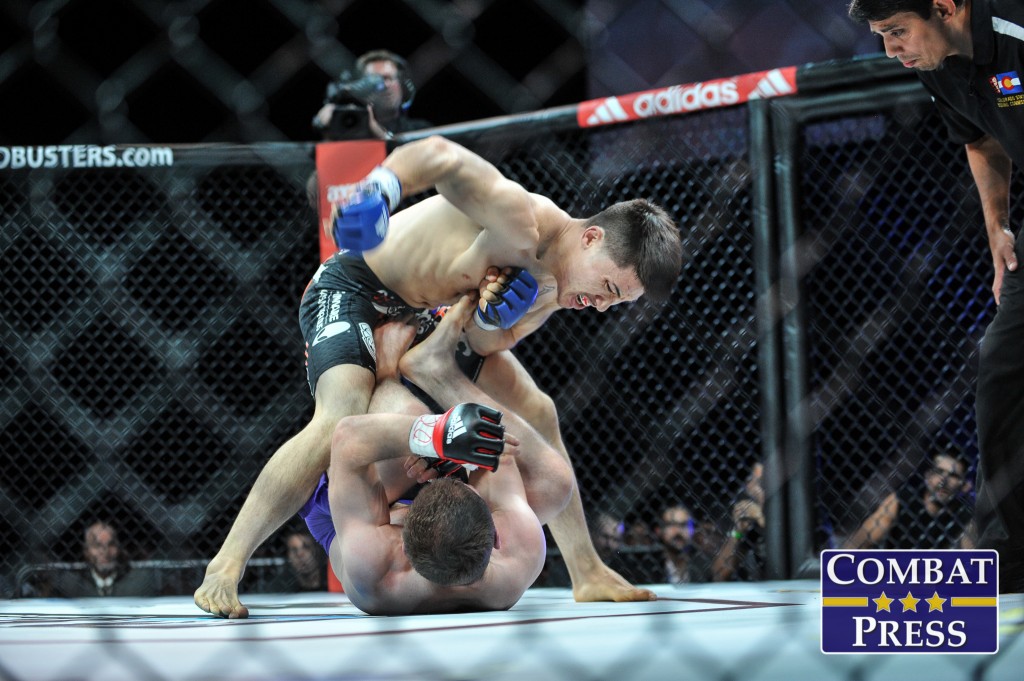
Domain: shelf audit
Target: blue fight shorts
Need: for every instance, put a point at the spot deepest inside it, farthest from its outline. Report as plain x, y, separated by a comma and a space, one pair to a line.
317, 514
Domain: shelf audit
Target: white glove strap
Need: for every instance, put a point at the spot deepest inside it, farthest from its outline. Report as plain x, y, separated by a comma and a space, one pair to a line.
421, 436
479, 319
389, 185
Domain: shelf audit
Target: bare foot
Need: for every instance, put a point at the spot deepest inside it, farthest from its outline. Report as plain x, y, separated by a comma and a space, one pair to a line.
391, 340
218, 594
430, 363
606, 584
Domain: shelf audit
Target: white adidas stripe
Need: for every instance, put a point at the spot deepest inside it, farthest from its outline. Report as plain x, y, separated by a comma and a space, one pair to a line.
779, 81
772, 84
1007, 28
764, 90
607, 111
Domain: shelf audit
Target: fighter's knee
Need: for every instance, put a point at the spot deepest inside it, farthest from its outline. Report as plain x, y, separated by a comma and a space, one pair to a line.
345, 431
561, 477
314, 441
539, 410
350, 435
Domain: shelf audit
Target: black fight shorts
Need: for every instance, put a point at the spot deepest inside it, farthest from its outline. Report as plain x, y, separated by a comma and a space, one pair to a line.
342, 305
339, 310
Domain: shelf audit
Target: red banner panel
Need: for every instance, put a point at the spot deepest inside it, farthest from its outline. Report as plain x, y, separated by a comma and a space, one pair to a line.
339, 164
681, 99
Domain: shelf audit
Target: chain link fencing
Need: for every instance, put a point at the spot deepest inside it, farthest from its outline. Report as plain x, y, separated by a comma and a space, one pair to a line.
892, 273
151, 355
152, 359
136, 71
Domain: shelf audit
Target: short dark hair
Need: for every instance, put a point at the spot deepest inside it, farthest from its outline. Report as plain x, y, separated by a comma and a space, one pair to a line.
641, 235
401, 66
449, 533
381, 55
880, 10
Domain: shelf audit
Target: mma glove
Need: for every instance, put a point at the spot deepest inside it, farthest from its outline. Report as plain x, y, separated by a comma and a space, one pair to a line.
360, 218
515, 298
468, 434
449, 469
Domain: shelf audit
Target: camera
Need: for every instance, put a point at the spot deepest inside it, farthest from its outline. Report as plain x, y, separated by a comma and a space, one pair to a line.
350, 97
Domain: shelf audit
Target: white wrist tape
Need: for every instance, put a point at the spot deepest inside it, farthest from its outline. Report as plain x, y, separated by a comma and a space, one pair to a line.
390, 187
478, 317
421, 436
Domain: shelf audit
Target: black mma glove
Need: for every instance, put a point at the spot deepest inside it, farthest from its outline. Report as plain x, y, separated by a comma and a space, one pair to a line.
448, 469
468, 434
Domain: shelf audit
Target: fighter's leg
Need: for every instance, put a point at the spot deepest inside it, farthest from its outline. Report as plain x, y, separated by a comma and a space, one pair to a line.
431, 365
390, 396
391, 340
283, 486
335, 317
592, 580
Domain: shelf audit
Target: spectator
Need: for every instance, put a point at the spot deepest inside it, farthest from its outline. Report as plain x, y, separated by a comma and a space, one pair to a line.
929, 516
741, 557
108, 572
685, 546
639, 533
637, 563
358, 107
306, 569
608, 534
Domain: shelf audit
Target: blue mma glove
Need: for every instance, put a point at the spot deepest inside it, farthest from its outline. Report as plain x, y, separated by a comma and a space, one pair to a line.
360, 218
515, 297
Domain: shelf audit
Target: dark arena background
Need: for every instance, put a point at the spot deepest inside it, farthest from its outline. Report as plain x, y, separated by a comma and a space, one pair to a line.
835, 286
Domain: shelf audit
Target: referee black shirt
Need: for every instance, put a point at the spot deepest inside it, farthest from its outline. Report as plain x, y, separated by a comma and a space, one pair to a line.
985, 94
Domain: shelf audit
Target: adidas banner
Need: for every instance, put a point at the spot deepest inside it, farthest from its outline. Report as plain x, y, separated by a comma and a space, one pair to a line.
680, 99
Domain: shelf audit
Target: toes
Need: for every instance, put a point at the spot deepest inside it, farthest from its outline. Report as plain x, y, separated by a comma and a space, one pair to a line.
460, 309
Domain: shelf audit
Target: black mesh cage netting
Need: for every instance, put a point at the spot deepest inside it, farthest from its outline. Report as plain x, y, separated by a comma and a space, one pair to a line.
152, 359
658, 404
898, 295
151, 355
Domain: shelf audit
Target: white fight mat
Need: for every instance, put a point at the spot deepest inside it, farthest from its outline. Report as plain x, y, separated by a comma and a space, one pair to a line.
742, 632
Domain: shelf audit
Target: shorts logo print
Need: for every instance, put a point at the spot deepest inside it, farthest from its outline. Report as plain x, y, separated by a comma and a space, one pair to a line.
367, 334
330, 331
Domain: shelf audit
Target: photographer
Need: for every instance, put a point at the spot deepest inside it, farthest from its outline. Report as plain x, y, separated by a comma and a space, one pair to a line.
741, 557
372, 103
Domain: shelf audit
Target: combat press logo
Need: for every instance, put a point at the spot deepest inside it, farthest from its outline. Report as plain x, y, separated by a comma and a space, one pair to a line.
909, 601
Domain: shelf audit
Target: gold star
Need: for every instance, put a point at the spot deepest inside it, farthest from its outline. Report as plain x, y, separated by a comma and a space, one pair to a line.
882, 603
935, 603
909, 603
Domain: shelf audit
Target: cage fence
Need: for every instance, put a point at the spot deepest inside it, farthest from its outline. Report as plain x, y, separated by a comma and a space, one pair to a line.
152, 361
